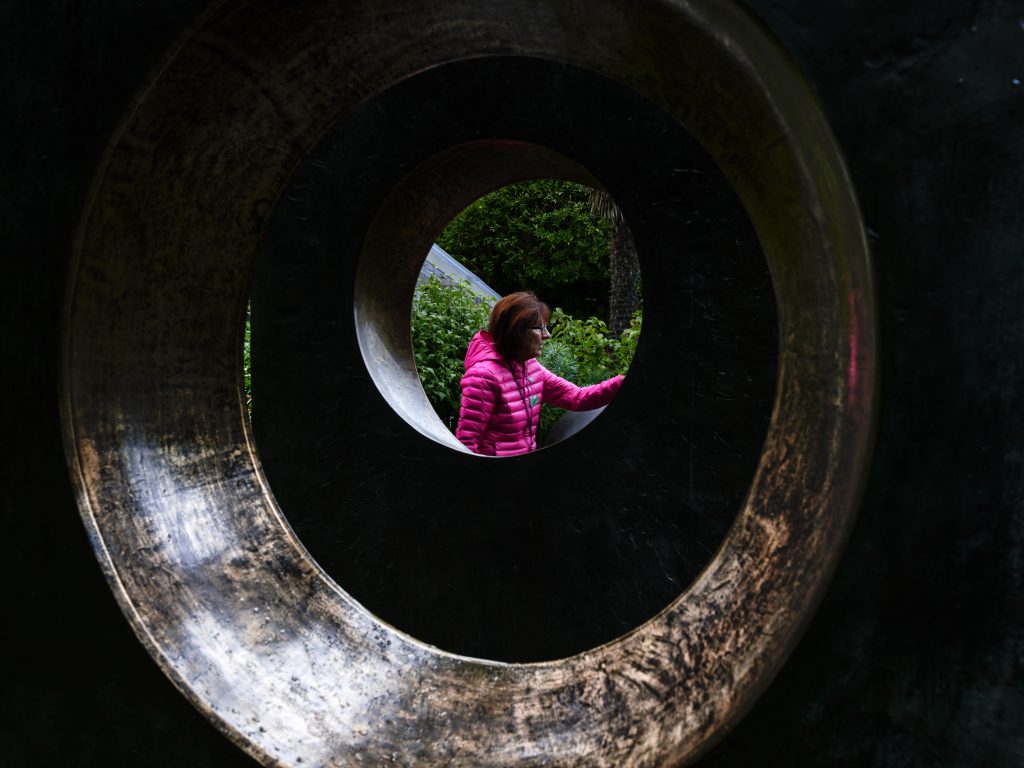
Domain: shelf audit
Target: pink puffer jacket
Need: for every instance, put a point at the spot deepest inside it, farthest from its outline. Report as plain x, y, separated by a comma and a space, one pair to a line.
501, 400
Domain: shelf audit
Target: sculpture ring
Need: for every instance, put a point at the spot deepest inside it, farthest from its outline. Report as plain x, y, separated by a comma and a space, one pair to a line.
201, 560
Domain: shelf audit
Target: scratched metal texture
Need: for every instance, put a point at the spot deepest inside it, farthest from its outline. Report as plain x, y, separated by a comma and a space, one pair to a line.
212, 578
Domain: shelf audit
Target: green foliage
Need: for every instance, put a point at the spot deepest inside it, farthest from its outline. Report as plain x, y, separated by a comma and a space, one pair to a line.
540, 234
444, 320
627, 341
583, 352
560, 359
599, 355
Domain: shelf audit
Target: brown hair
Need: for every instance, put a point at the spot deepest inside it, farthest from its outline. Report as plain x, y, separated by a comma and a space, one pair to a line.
511, 321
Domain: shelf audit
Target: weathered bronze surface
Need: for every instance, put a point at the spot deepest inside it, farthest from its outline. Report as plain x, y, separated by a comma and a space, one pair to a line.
205, 567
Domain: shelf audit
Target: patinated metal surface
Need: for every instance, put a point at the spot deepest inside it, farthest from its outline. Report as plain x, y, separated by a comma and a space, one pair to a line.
200, 558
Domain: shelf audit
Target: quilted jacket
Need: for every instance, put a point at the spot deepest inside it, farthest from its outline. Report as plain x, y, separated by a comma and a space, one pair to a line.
501, 399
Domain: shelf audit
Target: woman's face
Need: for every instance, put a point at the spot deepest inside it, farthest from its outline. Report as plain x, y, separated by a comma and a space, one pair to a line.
538, 334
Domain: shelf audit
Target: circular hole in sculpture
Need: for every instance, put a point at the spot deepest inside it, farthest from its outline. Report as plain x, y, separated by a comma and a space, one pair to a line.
549, 553
559, 352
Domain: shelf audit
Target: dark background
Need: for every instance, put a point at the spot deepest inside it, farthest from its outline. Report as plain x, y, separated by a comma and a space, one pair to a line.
916, 657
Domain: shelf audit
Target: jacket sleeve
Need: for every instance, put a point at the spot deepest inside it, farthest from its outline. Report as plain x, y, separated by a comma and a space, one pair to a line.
479, 397
564, 394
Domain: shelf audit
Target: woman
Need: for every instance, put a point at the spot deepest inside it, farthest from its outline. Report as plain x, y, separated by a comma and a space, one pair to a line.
504, 384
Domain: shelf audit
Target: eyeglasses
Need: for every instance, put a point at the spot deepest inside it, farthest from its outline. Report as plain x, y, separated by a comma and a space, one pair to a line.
541, 328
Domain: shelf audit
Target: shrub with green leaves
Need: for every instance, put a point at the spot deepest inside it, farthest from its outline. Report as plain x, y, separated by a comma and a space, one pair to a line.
599, 355
541, 234
583, 352
444, 320
626, 347
560, 359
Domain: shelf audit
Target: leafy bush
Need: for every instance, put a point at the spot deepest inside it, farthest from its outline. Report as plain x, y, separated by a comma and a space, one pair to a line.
444, 320
583, 352
599, 355
539, 233
558, 358
626, 347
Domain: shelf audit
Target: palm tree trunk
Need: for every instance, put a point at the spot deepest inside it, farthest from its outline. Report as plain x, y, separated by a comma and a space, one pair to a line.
623, 269
624, 274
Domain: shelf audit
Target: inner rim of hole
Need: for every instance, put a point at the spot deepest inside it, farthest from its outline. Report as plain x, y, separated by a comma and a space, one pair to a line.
499, 239
408, 221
